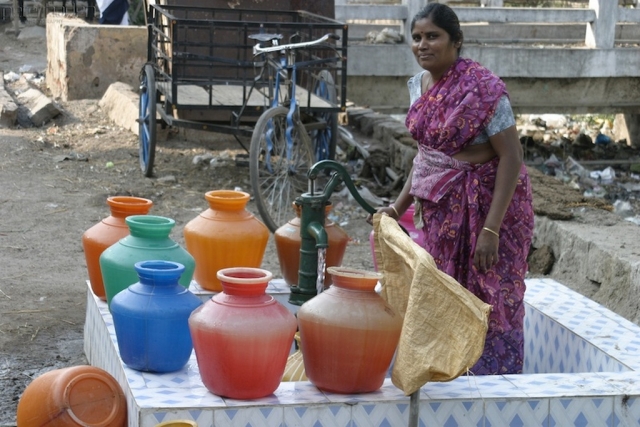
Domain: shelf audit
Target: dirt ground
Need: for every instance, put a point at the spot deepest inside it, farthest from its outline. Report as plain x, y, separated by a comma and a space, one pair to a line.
55, 182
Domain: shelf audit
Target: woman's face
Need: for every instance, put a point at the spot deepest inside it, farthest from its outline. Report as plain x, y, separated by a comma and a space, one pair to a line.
433, 48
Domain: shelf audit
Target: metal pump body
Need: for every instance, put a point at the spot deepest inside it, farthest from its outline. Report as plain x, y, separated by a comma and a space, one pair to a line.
312, 233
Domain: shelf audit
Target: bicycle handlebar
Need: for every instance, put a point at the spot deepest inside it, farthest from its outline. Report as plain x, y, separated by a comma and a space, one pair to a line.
257, 49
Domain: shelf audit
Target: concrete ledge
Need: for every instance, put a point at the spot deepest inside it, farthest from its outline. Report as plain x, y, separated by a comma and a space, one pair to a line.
594, 253
539, 80
84, 59
120, 102
504, 60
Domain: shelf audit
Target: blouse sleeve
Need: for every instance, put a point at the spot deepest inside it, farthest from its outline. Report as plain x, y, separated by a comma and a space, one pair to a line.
415, 87
503, 117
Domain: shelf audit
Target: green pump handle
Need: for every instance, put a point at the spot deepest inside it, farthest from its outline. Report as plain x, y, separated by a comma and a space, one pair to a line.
340, 175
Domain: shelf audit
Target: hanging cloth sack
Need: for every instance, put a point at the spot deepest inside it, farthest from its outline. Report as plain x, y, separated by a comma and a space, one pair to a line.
444, 326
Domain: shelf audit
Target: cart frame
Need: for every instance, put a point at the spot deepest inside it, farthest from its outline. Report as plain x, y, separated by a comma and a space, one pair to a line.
203, 61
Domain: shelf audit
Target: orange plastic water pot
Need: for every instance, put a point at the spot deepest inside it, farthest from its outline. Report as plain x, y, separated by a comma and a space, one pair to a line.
107, 232
287, 240
348, 334
78, 396
225, 235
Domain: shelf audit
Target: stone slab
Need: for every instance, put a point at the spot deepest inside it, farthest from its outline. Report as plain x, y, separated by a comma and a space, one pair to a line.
40, 108
8, 109
120, 102
83, 60
32, 32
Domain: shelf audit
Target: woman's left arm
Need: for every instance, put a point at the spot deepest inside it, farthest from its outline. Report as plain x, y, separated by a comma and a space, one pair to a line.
507, 146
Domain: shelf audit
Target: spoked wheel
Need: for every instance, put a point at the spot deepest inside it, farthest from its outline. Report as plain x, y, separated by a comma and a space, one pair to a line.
325, 139
147, 119
278, 175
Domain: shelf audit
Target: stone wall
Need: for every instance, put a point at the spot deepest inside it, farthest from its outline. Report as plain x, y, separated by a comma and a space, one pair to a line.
83, 60
394, 140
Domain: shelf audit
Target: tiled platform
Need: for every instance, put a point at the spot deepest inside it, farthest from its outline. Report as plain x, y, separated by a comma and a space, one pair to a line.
582, 368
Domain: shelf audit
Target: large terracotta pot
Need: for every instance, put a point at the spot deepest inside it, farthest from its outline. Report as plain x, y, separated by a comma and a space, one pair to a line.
148, 240
348, 334
78, 396
107, 232
242, 336
223, 236
151, 318
287, 240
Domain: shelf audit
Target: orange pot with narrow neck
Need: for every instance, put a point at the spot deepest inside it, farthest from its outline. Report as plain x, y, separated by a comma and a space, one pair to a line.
107, 232
77, 396
223, 236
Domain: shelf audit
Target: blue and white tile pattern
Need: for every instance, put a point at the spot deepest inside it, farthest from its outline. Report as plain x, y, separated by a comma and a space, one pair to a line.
582, 368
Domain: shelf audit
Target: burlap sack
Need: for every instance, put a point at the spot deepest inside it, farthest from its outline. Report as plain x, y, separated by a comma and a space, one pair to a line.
444, 326
294, 369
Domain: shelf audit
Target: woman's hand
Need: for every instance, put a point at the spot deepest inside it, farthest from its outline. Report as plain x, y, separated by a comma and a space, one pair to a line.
385, 210
486, 255
508, 148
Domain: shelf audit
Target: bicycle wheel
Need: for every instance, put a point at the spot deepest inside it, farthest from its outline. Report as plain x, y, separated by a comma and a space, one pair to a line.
278, 175
147, 119
325, 140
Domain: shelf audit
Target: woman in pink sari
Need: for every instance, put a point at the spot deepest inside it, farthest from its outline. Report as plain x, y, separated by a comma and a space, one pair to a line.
469, 183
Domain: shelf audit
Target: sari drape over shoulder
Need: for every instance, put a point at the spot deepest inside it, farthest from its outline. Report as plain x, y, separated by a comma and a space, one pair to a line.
453, 198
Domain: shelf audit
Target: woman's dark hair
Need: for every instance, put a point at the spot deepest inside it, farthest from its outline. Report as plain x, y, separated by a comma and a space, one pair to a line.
442, 16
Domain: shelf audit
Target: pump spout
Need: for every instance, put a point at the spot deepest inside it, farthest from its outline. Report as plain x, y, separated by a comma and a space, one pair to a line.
317, 231
313, 236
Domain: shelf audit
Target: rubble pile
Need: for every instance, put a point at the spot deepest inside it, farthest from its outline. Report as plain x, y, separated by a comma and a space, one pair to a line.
583, 153
575, 162
22, 101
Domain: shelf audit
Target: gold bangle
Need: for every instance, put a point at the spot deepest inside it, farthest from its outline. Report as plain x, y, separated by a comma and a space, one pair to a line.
395, 210
491, 231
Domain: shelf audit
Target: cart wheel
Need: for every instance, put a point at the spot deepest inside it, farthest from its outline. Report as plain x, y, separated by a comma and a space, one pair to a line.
147, 119
324, 140
277, 180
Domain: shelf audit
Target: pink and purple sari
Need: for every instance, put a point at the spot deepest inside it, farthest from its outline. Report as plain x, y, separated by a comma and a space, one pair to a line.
454, 198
